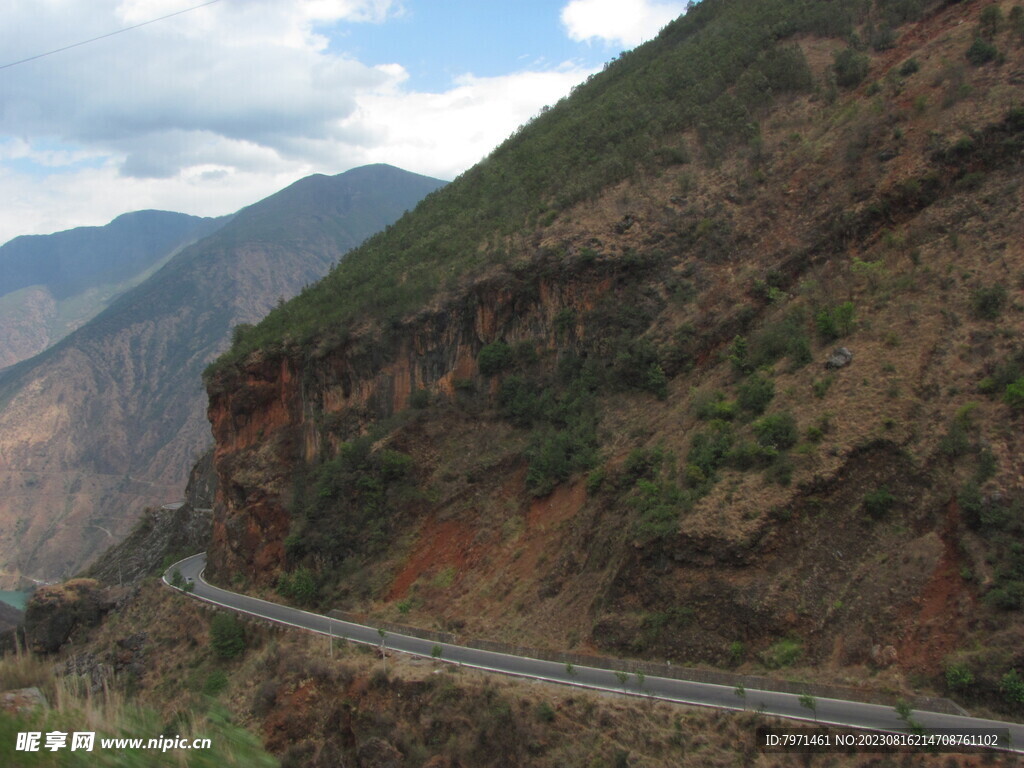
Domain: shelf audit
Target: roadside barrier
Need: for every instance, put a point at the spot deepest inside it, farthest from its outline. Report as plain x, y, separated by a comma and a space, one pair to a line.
654, 669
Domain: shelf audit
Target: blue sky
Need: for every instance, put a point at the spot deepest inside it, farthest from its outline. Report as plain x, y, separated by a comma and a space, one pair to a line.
485, 38
213, 109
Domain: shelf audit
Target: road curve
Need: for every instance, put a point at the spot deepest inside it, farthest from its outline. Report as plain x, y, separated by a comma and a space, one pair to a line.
838, 712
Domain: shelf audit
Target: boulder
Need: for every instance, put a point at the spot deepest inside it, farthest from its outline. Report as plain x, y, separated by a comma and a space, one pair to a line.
22, 701
840, 358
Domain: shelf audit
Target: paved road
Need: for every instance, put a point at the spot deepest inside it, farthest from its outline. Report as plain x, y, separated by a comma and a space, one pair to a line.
831, 711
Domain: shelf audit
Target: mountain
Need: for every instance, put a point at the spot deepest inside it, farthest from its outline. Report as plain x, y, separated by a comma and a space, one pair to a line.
111, 418
718, 360
52, 284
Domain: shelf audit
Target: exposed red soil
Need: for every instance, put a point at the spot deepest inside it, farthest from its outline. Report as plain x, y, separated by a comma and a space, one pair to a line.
562, 504
938, 624
441, 544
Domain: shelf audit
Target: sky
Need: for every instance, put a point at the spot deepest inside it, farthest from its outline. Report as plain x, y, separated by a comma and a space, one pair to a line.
218, 106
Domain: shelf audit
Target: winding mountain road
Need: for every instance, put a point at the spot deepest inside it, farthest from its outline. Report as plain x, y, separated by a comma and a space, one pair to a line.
837, 712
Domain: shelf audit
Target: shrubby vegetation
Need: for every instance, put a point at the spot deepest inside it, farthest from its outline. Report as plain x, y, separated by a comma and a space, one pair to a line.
878, 502
347, 505
784, 336
835, 322
494, 358
1006, 379
987, 301
1001, 523
756, 393
299, 585
227, 636
777, 431
850, 67
712, 77
562, 418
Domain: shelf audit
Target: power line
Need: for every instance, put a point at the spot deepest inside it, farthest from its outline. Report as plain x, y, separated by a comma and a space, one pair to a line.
109, 34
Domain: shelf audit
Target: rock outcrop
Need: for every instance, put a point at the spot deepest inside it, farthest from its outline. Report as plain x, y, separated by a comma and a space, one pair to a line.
54, 612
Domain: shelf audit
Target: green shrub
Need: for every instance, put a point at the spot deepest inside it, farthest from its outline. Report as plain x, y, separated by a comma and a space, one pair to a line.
739, 356
1014, 395
1016, 19
1012, 687
785, 336
877, 503
555, 454
642, 463
989, 22
519, 401
780, 471
821, 386
971, 504
709, 448
655, 381
850, 67
987, 302
1004, 374
215, 682
959, 677
777, 430
883, 38
1008, 596
658, 506
299, 585
419, 399
910, 67
748, 454
544, 712
784, 653
635, 365
981, 52
737, 651
595, 480
227, 636
756, 393
494, 358
835, 322
655, 625
957, 440
713, 405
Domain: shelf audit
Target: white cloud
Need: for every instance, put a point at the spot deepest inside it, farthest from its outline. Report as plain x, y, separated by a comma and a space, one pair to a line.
619, 22
442, 134
211, 110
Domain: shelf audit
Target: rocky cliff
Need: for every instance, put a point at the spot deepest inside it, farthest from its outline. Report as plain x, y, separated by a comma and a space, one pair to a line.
632, 431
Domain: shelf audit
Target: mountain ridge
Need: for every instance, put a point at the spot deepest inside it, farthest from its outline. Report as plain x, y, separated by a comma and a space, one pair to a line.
109, 419
52, 284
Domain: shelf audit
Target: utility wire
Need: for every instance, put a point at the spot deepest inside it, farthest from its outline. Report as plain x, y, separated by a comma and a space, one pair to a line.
109, 34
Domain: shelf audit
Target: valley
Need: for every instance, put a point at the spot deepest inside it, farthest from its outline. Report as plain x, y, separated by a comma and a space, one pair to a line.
715, 364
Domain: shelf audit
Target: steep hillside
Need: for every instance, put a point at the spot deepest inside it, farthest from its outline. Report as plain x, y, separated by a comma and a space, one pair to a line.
110, 420
52, 284
589, 395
